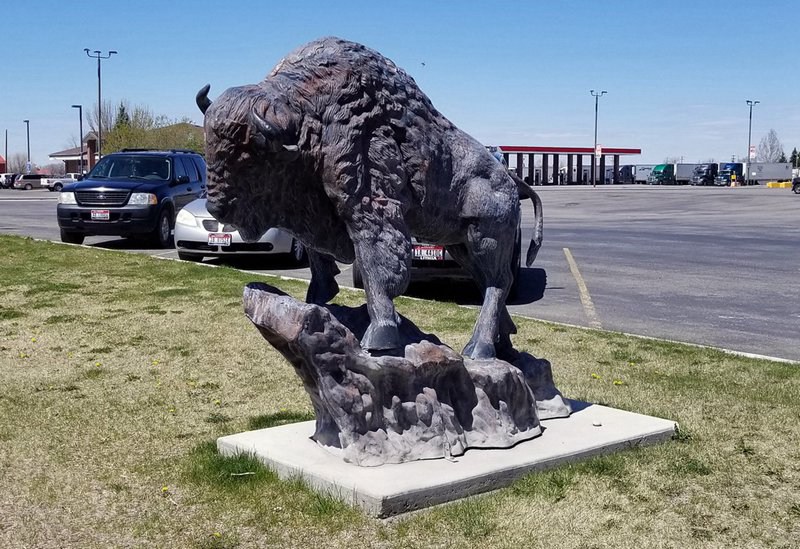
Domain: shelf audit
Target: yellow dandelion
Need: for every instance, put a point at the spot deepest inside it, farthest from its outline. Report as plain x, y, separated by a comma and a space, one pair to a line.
619, 382
595, 376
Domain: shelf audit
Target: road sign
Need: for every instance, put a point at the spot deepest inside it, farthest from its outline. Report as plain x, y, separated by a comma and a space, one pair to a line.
598, 150
752, 155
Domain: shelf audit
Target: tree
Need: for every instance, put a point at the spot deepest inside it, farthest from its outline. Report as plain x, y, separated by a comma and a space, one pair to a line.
56, 169
770, 148
108, 119
17, 162
137, 128
122, 116
794, 159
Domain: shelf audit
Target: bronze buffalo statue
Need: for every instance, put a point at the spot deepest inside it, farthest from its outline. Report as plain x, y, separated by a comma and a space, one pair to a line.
339, 147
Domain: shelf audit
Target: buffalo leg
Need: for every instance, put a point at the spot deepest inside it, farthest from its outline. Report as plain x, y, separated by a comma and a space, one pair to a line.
383, 251
323, 286
487, 254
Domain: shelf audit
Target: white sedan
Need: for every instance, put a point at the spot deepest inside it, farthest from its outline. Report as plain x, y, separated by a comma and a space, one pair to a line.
199, 235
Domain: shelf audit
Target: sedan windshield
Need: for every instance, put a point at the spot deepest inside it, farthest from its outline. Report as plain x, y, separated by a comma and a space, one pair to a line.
132, 167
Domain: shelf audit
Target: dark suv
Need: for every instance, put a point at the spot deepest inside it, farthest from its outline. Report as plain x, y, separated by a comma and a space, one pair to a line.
132, 192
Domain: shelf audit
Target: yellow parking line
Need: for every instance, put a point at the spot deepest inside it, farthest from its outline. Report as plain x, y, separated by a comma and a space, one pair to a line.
586, 299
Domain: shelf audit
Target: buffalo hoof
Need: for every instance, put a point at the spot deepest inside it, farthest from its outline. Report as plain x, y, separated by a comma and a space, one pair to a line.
381, 338
477, 350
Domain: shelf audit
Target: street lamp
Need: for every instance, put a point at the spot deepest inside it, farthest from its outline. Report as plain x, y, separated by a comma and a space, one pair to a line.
750, 104
597, 97
28, 133
80, 136
97, 54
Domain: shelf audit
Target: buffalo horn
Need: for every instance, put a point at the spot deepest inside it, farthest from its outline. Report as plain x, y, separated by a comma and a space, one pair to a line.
202, 98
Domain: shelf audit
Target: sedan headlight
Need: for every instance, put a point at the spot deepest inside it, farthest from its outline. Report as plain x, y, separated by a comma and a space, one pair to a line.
185, 218
66, 198
142, 199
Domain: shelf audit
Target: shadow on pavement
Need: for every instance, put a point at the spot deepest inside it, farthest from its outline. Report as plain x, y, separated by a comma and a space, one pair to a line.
532, 285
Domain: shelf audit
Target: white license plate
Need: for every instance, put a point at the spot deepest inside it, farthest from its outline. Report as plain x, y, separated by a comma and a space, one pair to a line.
219, 239
428, 253
101, 215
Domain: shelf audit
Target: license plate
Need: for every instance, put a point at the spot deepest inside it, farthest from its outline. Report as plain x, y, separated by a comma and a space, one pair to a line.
101, 215
219, 239
428, 253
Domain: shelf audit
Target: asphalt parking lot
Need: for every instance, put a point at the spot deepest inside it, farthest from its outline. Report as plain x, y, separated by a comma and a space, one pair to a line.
713, 266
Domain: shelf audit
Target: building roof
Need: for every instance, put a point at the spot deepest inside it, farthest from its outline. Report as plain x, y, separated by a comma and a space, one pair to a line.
565, 150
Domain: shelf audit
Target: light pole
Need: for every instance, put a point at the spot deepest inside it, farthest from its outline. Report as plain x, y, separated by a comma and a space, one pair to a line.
97, 54
750, 104
28, 134
80, 136
597, 97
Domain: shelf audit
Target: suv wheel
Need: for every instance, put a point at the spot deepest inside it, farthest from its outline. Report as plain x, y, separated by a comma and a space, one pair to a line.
162, 236
71, 238
28, 186
57, 187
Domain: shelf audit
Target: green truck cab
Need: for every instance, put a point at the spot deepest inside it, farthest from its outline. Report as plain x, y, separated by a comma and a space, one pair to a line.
662, 174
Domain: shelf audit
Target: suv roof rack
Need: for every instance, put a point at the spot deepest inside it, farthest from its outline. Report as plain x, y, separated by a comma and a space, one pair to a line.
187, 151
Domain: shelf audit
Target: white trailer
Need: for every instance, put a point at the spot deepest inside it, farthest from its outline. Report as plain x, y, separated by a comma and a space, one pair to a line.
761, 172
642, 172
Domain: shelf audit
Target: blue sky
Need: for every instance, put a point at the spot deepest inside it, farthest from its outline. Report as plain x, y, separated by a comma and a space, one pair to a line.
509, 73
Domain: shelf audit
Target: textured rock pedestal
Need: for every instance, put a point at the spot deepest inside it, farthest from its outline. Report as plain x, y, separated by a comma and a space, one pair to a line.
429, 403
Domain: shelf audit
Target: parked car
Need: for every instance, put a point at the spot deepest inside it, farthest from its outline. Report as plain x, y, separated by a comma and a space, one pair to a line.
133, 192
433, 262
7, 179
796, 185
199, 235
55, 184
28, 181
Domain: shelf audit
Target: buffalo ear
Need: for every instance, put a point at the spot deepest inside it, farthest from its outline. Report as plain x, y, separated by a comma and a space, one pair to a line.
271, 137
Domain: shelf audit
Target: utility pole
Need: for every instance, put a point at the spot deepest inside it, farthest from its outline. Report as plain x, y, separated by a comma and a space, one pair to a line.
28, 133
750, 104
97, 54
597, 97
80, 136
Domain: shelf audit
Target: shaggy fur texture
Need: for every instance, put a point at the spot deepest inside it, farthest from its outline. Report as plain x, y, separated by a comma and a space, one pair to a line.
341, 148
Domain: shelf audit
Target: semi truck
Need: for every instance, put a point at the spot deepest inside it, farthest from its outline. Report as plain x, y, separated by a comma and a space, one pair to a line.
704, 174
753, 173
761, 172
635, 173
729, 171
672, 174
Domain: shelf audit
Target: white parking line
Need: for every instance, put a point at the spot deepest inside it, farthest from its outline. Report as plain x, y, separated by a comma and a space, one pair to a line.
586, 299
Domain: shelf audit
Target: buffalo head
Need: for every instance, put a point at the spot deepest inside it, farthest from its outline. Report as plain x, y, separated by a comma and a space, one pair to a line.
246, 142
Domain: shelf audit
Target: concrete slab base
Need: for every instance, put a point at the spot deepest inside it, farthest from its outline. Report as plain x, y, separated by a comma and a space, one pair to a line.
393, 489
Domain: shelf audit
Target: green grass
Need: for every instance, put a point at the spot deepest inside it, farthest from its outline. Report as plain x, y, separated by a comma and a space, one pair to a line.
119, 371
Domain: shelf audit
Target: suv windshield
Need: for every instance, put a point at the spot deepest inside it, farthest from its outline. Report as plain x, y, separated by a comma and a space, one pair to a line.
120, 166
